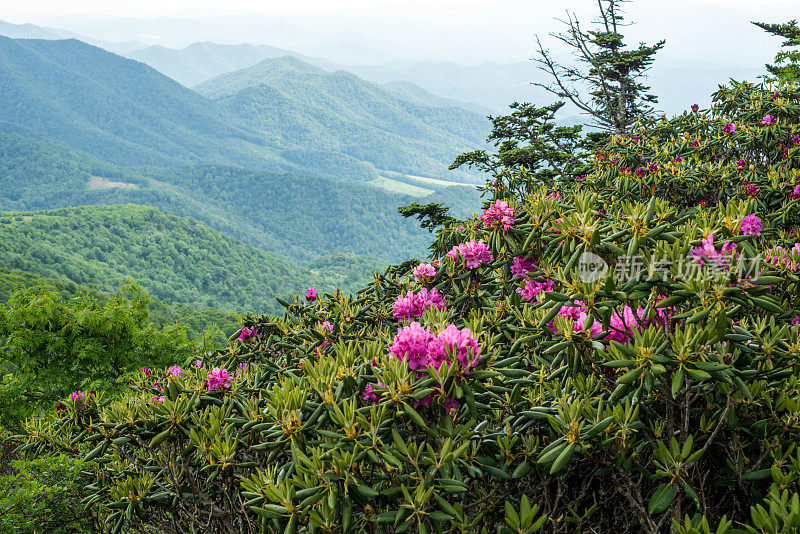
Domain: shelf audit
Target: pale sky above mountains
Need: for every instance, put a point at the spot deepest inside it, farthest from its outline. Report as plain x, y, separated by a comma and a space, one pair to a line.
466, 31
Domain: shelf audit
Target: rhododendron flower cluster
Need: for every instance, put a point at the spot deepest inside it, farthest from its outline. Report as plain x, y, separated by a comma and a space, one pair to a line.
795, 194
533, 289
411, 345
174, 371
420, 348
218, 378
555, 195
473, 252
79, 401
520, 267
751, 225
729, 128
424, 272
768, 120
780, 257
621, 325
246, 333
157, 399
707, 253
311, 294
415, 304
753, 190
453, 341
499, 215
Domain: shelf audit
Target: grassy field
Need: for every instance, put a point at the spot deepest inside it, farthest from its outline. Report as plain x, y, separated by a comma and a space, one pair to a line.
400, 187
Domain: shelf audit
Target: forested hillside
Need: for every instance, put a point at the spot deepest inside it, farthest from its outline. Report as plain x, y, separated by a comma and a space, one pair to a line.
293, 214
174, 259
114, 108
202, 61
302, 107
196, 320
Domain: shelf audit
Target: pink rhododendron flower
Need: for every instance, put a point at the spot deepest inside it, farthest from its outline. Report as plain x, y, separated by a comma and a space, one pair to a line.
499, 215
174, 371
640, 171
411, 345
555, 195
780, 257
751, 225
415, 304
457, 342
246, 333
678, 159
521, 267
694, 144
740, 163
368, 394
199, 363
624, 170
707, 254
729, 128
473, 252
753, 190
652, 167
424, 272
796, 140
218, 378
311, 294
157, 399
695, 107
795, 321
768, 120
622, 324
533, 289
146, 370
796, 193
580, 322
80, 401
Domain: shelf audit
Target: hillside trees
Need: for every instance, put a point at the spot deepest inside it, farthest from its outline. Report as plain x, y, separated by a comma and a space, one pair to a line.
606, 83
787, 61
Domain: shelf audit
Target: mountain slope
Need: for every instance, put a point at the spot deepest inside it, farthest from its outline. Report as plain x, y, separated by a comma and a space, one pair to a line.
175, 259
114, 108
298, 105
297, 216
202, 61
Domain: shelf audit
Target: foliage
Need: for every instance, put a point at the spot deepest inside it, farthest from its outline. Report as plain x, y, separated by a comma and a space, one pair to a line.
196, 320
787, 62
608, 89
50, 346
175, 259
431, 216
41, 494
529, 140
616, 399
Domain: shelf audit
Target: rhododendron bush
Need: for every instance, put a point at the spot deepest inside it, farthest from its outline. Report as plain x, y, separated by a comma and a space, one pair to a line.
613, 353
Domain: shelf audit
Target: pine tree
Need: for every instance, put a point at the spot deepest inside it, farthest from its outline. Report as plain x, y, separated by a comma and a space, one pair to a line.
605, 84
787, 62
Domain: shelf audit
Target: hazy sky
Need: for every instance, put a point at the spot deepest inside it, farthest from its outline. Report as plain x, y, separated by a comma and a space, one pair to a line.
28, 8
458, 30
